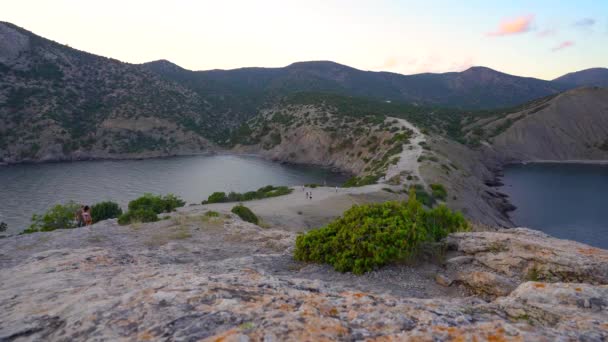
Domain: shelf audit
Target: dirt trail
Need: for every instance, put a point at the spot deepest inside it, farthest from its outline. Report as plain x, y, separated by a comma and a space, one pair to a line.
408, 160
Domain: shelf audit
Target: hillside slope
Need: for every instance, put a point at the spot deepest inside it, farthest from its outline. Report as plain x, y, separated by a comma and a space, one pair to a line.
570, 126
597, 77
60, 103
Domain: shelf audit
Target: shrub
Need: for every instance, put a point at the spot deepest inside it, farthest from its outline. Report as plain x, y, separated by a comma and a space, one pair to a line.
438, 191
360, 181
147, 207
423, 196
138, 215
369, 236
156, 203
216, 197
263, 192
212, 213
3, 227
105, 210
245, 214
61, 216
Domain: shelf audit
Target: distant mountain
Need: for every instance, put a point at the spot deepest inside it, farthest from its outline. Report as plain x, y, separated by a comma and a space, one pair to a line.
475, 88
589, 77
60, 103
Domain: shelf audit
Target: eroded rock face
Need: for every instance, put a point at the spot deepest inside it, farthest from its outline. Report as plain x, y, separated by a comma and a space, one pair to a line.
199, 278
525, 254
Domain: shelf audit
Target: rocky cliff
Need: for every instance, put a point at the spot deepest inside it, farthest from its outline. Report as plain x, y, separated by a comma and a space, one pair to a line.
193, 277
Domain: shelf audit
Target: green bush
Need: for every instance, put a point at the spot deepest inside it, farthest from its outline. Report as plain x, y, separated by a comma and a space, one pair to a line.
263, 192
438, 191
61, 216
423, 196
360, 181
369, 236
156, 203
105, 210
138, 215
245, 214
147, 207
216, 197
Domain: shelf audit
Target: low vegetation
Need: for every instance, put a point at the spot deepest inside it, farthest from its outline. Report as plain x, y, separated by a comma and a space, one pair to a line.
245, 214
370, 236
263, 192
60, 216
361, 181
439, 192
147, 208
105, 210
3, 227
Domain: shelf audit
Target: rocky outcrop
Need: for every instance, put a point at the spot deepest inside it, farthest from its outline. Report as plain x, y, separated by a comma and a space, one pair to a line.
192, 277
324, 135
493, 264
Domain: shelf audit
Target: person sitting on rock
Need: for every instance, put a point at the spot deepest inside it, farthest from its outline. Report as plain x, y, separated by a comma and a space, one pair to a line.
86, 216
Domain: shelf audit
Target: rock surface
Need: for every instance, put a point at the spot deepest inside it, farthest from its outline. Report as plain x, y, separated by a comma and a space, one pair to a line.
525, 254
191, 277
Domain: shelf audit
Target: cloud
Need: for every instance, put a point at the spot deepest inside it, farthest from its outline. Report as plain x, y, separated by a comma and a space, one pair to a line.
547, 33
390, 63
585, 22
513, 26
563, 45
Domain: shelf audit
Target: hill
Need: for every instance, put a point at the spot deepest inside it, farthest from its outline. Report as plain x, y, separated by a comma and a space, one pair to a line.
597, 77
570, 126
60, 103
475, 88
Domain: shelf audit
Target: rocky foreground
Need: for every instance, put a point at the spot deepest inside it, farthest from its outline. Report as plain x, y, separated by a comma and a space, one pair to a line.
191, 277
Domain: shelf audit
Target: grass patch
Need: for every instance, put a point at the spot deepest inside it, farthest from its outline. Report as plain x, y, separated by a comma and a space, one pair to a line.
245, 214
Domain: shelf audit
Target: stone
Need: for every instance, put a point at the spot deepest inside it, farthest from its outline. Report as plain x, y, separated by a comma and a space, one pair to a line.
487, 284
443, 280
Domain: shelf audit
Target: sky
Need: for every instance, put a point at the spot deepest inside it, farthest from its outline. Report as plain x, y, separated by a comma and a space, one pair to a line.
541, 38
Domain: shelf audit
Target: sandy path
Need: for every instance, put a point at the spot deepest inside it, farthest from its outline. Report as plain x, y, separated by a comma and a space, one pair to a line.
294, 212
409, 157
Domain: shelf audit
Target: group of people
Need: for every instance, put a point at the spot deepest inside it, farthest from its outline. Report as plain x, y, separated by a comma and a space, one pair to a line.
309, 193
83, 216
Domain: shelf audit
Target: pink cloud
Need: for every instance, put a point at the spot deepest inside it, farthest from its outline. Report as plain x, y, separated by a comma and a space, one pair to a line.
513, 26
547, 33
563, 45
